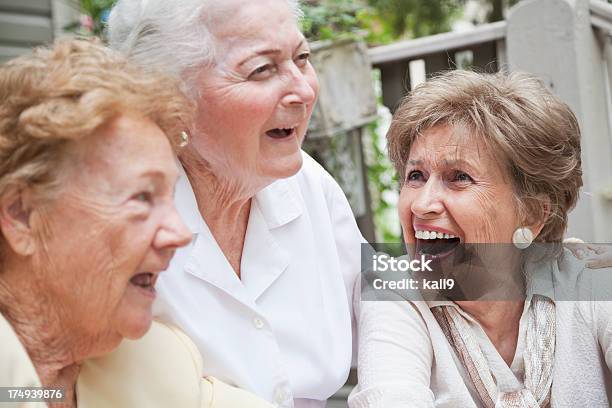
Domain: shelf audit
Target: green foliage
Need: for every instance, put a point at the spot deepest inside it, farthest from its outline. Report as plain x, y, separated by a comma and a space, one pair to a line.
382, 179
334, 19
340, 19
377, 21
416, 18
93, 19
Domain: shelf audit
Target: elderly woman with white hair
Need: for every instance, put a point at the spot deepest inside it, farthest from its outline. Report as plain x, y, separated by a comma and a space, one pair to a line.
265, 289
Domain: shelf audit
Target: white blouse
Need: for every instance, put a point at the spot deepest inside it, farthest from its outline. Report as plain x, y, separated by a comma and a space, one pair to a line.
405, 359
284, 330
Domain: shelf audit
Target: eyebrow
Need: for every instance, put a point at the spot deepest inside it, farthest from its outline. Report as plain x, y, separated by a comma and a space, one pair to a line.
158, 175
300, 44
269, 51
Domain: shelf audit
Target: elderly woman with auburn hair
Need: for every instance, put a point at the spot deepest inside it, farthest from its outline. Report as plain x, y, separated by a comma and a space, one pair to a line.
488, 161
87, 217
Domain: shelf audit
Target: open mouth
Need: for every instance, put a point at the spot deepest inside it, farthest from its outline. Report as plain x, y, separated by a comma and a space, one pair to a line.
145, 280
435, 244
281, 133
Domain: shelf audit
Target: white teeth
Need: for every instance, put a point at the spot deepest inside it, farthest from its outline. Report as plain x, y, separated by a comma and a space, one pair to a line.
432, 235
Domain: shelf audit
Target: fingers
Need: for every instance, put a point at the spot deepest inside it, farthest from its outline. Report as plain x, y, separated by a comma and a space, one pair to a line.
596, 256
601, 249
601, 257
599, 261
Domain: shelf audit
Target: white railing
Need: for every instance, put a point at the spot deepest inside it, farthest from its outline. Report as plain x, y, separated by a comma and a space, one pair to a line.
417, 48
601, 18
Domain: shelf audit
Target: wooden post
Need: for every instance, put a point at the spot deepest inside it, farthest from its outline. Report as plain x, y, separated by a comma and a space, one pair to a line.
395, 79
554, 39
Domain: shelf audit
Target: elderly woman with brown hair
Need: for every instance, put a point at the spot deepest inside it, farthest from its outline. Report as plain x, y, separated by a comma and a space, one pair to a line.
87, 218
490, 161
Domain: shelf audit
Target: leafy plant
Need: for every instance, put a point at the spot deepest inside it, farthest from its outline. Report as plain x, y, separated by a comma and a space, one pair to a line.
93, 18
377, 21
416, 18
383, 182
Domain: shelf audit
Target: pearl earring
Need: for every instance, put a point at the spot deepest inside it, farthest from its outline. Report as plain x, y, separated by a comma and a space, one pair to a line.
184, 139
522, 238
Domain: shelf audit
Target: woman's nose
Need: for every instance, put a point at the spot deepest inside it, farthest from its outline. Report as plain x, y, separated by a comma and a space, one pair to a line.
302, 87
428, 199
173, 233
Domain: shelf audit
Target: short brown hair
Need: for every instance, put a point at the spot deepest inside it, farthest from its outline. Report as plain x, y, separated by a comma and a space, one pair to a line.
535, 135
64, 93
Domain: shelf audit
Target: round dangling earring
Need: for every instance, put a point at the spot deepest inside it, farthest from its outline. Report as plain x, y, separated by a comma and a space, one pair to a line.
184, 139
522, 237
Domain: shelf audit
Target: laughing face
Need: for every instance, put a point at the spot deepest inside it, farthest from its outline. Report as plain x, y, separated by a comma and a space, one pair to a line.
258, 96
455, 192
112, 229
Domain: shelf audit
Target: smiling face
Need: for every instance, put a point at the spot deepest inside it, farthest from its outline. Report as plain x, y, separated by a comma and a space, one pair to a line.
111, 230
455, 186
258, 96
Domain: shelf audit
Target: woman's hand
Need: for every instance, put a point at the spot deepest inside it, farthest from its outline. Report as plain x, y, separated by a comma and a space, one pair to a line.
595, 255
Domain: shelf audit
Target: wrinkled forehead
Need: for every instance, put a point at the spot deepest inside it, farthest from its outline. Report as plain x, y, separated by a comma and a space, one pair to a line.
445, 145
111, 150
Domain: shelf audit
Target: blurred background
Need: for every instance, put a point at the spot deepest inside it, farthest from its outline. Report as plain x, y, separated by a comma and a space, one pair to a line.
370, 53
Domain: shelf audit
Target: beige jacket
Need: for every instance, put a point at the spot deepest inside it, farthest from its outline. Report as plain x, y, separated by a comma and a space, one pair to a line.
163, 369
16, 369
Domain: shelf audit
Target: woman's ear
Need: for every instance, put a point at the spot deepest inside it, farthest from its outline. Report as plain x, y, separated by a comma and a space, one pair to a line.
537, 224
15, 212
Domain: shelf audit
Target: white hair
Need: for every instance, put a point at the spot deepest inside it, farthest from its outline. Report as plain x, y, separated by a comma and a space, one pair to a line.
171, 36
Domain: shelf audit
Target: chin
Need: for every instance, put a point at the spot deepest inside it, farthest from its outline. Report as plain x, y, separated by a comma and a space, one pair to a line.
287, 166
136, 325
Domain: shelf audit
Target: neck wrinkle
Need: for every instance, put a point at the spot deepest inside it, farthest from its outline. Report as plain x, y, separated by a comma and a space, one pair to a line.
222, 201
36, 321
490, 313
